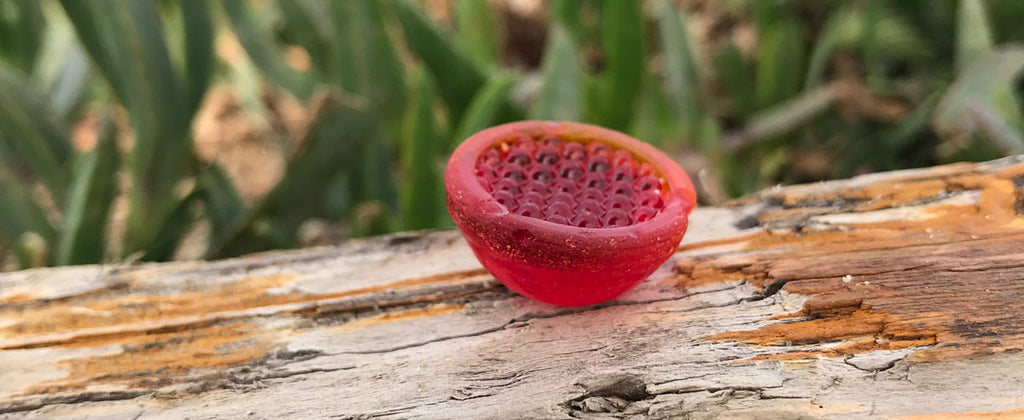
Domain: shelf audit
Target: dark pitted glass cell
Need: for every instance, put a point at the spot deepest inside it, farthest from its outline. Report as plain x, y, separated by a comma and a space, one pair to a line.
576, 183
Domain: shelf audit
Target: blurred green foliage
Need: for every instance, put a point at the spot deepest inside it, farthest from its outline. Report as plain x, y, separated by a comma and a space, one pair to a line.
850, 87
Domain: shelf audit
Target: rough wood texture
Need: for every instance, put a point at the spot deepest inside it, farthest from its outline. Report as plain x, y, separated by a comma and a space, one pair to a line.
889, 295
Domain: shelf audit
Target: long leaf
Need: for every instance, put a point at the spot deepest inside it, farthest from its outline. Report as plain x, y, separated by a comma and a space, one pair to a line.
681, 78
784, 117
224, 206
738, 78
999, 132
83, 231
840, 23
655, 122
348, 62
899, 137
987, 85
561, 92
62, 68
623, 44
21, 32
780, 65
167, 238
372, 170
307, 23
367, 62
421, 192
71, 83
458, 79
28, 132
261, 48
478, 31
484, 110
567, 13
125, 39
973, 36
331, 148
21, 214
385, 73
199, 37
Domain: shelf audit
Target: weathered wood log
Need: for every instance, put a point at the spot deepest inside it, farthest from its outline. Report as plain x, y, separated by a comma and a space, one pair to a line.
885, 295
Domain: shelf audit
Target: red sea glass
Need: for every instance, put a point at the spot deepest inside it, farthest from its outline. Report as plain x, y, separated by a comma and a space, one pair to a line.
567, 213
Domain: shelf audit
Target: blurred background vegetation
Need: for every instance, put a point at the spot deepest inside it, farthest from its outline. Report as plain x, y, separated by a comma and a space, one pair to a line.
175, 129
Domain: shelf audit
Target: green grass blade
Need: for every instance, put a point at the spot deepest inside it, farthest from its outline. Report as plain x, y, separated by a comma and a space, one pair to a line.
784, 117
561, 93
458, 79
567, 13
485, 109
367, 62
21, 214
655, 122
386, 86
973, 36
839, 26
256, 38
478, 31
766, 14
72, 82
223, 205
593, 99
373, 169
62, 69
332, 147
199, 60
29, 134
623, 44
307, 23
738, 78
1006, 19
987, 85
780, 67
334, 142
681, 78
167, 238
1006, 138
22, 26
94, 186
348, 61
900, 136
421, 193
125, 39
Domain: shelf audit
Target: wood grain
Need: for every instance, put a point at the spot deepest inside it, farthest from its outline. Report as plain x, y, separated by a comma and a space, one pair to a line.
887, 295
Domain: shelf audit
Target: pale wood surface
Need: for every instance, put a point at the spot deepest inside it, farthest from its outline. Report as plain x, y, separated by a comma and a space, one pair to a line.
888, 295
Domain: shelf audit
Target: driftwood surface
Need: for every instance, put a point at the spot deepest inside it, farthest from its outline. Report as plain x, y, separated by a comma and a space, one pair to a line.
889, 295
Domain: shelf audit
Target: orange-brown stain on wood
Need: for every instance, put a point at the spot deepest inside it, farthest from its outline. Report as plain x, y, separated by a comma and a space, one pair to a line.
949, 281
97, 313
74, 314
151, 361
158, 340
154, 360
17, 297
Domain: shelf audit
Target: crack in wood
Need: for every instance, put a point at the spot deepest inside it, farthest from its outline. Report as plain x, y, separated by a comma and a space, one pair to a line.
85, 397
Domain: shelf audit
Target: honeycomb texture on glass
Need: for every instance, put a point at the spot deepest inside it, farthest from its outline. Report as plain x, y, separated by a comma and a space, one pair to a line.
589, 185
